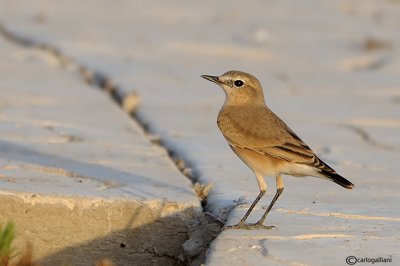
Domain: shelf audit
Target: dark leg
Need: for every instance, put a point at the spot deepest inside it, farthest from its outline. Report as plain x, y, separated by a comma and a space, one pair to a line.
263, 187
259, 224
252, 207
241, 224
278, 193
279, 190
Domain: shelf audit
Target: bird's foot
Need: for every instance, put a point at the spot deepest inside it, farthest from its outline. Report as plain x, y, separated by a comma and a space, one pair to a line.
242, 225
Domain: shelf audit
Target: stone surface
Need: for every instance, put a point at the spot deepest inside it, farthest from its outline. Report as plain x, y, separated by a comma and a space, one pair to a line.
78, 177
329, 69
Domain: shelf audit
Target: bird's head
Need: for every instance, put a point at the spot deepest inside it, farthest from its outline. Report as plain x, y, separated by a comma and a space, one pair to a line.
239, 87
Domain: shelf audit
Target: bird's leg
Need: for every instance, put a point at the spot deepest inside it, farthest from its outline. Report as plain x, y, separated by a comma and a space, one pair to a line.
263, 187
262, 192
279, 190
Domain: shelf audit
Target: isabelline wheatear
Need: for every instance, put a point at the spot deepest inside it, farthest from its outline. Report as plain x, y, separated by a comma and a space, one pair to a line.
263, 141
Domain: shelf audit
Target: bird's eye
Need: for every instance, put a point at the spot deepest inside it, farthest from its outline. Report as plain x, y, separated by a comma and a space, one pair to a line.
238, 83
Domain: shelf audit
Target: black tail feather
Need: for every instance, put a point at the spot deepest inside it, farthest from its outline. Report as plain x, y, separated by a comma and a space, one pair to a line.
338, 179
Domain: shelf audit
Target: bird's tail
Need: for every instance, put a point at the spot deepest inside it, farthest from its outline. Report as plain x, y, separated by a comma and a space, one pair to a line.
338, 179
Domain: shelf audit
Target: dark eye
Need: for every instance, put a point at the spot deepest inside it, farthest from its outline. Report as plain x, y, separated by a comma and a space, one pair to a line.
238, 83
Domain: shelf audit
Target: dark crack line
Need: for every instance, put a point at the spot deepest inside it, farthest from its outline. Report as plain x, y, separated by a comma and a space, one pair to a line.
129, 103
93, 78
104, 83
368, 139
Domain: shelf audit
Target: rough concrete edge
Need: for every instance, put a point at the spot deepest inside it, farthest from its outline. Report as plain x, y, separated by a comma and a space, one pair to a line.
33, 198
185, 215
207, 228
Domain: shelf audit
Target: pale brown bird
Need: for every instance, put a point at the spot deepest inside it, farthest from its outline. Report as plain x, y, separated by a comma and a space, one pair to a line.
263, 141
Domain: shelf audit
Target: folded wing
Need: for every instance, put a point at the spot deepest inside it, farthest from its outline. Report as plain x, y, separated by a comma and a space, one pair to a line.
258, 129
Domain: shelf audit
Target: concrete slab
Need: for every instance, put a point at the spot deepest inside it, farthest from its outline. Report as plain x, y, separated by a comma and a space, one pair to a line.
323, 72
79, 177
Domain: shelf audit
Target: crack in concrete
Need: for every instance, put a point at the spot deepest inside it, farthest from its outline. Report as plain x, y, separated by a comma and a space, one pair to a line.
52, 170
207, 227
128, 102
368, 139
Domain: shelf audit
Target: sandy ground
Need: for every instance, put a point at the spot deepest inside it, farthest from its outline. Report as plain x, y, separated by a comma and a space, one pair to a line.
330, 69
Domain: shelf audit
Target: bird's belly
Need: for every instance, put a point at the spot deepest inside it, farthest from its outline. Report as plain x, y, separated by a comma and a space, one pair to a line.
299, 170
270, 166
259, 163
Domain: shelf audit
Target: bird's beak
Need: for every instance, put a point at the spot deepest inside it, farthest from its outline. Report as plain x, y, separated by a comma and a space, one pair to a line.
214, 79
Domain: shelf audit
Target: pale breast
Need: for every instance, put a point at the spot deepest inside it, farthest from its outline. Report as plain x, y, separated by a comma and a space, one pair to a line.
262, 164
251, 126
